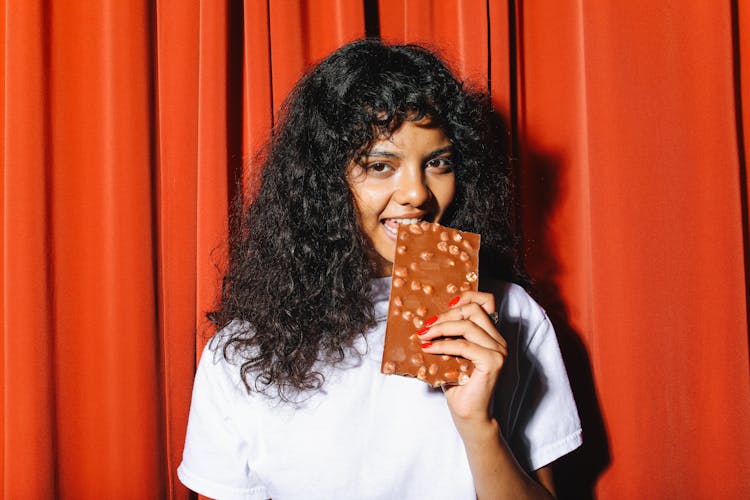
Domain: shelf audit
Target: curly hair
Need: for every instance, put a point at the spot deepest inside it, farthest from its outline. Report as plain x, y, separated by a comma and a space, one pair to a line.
297, 288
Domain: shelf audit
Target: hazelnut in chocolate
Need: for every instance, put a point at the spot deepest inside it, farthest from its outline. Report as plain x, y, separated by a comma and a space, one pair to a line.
433, 264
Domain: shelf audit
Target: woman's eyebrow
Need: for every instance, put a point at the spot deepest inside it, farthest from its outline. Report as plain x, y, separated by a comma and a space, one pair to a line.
440, 151
382, 153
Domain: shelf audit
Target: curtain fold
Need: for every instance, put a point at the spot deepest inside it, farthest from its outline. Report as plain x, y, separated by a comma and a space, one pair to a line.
176, 29
257, 98
28, 403
741, 39
103, 290
128, 128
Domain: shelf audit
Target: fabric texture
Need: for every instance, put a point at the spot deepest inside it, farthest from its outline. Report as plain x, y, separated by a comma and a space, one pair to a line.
369, 435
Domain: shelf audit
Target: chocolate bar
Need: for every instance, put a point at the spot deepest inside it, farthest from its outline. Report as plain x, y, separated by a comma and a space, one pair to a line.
433, 264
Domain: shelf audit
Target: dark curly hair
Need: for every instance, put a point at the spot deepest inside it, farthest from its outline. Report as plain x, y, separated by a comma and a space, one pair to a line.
297, 286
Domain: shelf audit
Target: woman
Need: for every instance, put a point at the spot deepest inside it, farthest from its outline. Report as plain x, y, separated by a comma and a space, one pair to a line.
289, 401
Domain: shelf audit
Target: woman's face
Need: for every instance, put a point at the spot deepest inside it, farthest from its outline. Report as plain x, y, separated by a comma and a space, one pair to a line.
402, 179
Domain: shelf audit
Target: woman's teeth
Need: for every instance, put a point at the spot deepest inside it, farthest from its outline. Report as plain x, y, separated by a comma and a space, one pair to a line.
406, 221
391, 225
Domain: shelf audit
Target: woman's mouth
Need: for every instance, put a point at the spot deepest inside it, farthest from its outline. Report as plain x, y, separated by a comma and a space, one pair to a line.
391, 225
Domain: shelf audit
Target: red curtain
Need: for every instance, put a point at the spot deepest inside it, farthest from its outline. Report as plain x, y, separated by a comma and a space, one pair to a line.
127, 125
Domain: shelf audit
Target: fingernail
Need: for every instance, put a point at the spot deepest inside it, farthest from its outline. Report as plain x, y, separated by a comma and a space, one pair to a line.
454, 301
423, 330
429, 321
425, 345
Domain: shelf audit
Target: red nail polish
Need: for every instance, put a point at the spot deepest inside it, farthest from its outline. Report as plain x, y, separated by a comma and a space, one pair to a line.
454, 301
425, 345
429, 321
422, 331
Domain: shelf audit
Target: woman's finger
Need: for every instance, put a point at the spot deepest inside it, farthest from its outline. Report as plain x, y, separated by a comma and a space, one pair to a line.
472, 312
484, 359
485, 300
469, 331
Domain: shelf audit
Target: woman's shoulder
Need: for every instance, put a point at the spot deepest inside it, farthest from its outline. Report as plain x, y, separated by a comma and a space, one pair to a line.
233, 330
219, 363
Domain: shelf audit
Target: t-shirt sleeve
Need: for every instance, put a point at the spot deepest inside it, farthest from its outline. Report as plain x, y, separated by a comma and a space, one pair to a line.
214, 460
536, 405
553, 428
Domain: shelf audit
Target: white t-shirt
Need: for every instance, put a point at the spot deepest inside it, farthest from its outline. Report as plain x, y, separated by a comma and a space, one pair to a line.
366, 435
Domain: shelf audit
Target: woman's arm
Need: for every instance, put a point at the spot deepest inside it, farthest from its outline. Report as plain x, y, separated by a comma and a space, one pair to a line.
496, 472
546, 479
467, 330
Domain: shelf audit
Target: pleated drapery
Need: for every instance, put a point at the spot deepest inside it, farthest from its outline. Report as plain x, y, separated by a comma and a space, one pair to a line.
127, 127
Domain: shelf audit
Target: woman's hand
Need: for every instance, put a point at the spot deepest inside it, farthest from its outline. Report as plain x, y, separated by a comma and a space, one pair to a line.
467, 330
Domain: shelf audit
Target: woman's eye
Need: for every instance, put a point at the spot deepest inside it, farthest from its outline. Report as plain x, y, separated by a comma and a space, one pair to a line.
445, 164
378, 168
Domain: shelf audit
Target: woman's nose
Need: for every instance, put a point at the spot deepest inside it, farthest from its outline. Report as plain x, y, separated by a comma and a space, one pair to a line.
411, 187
